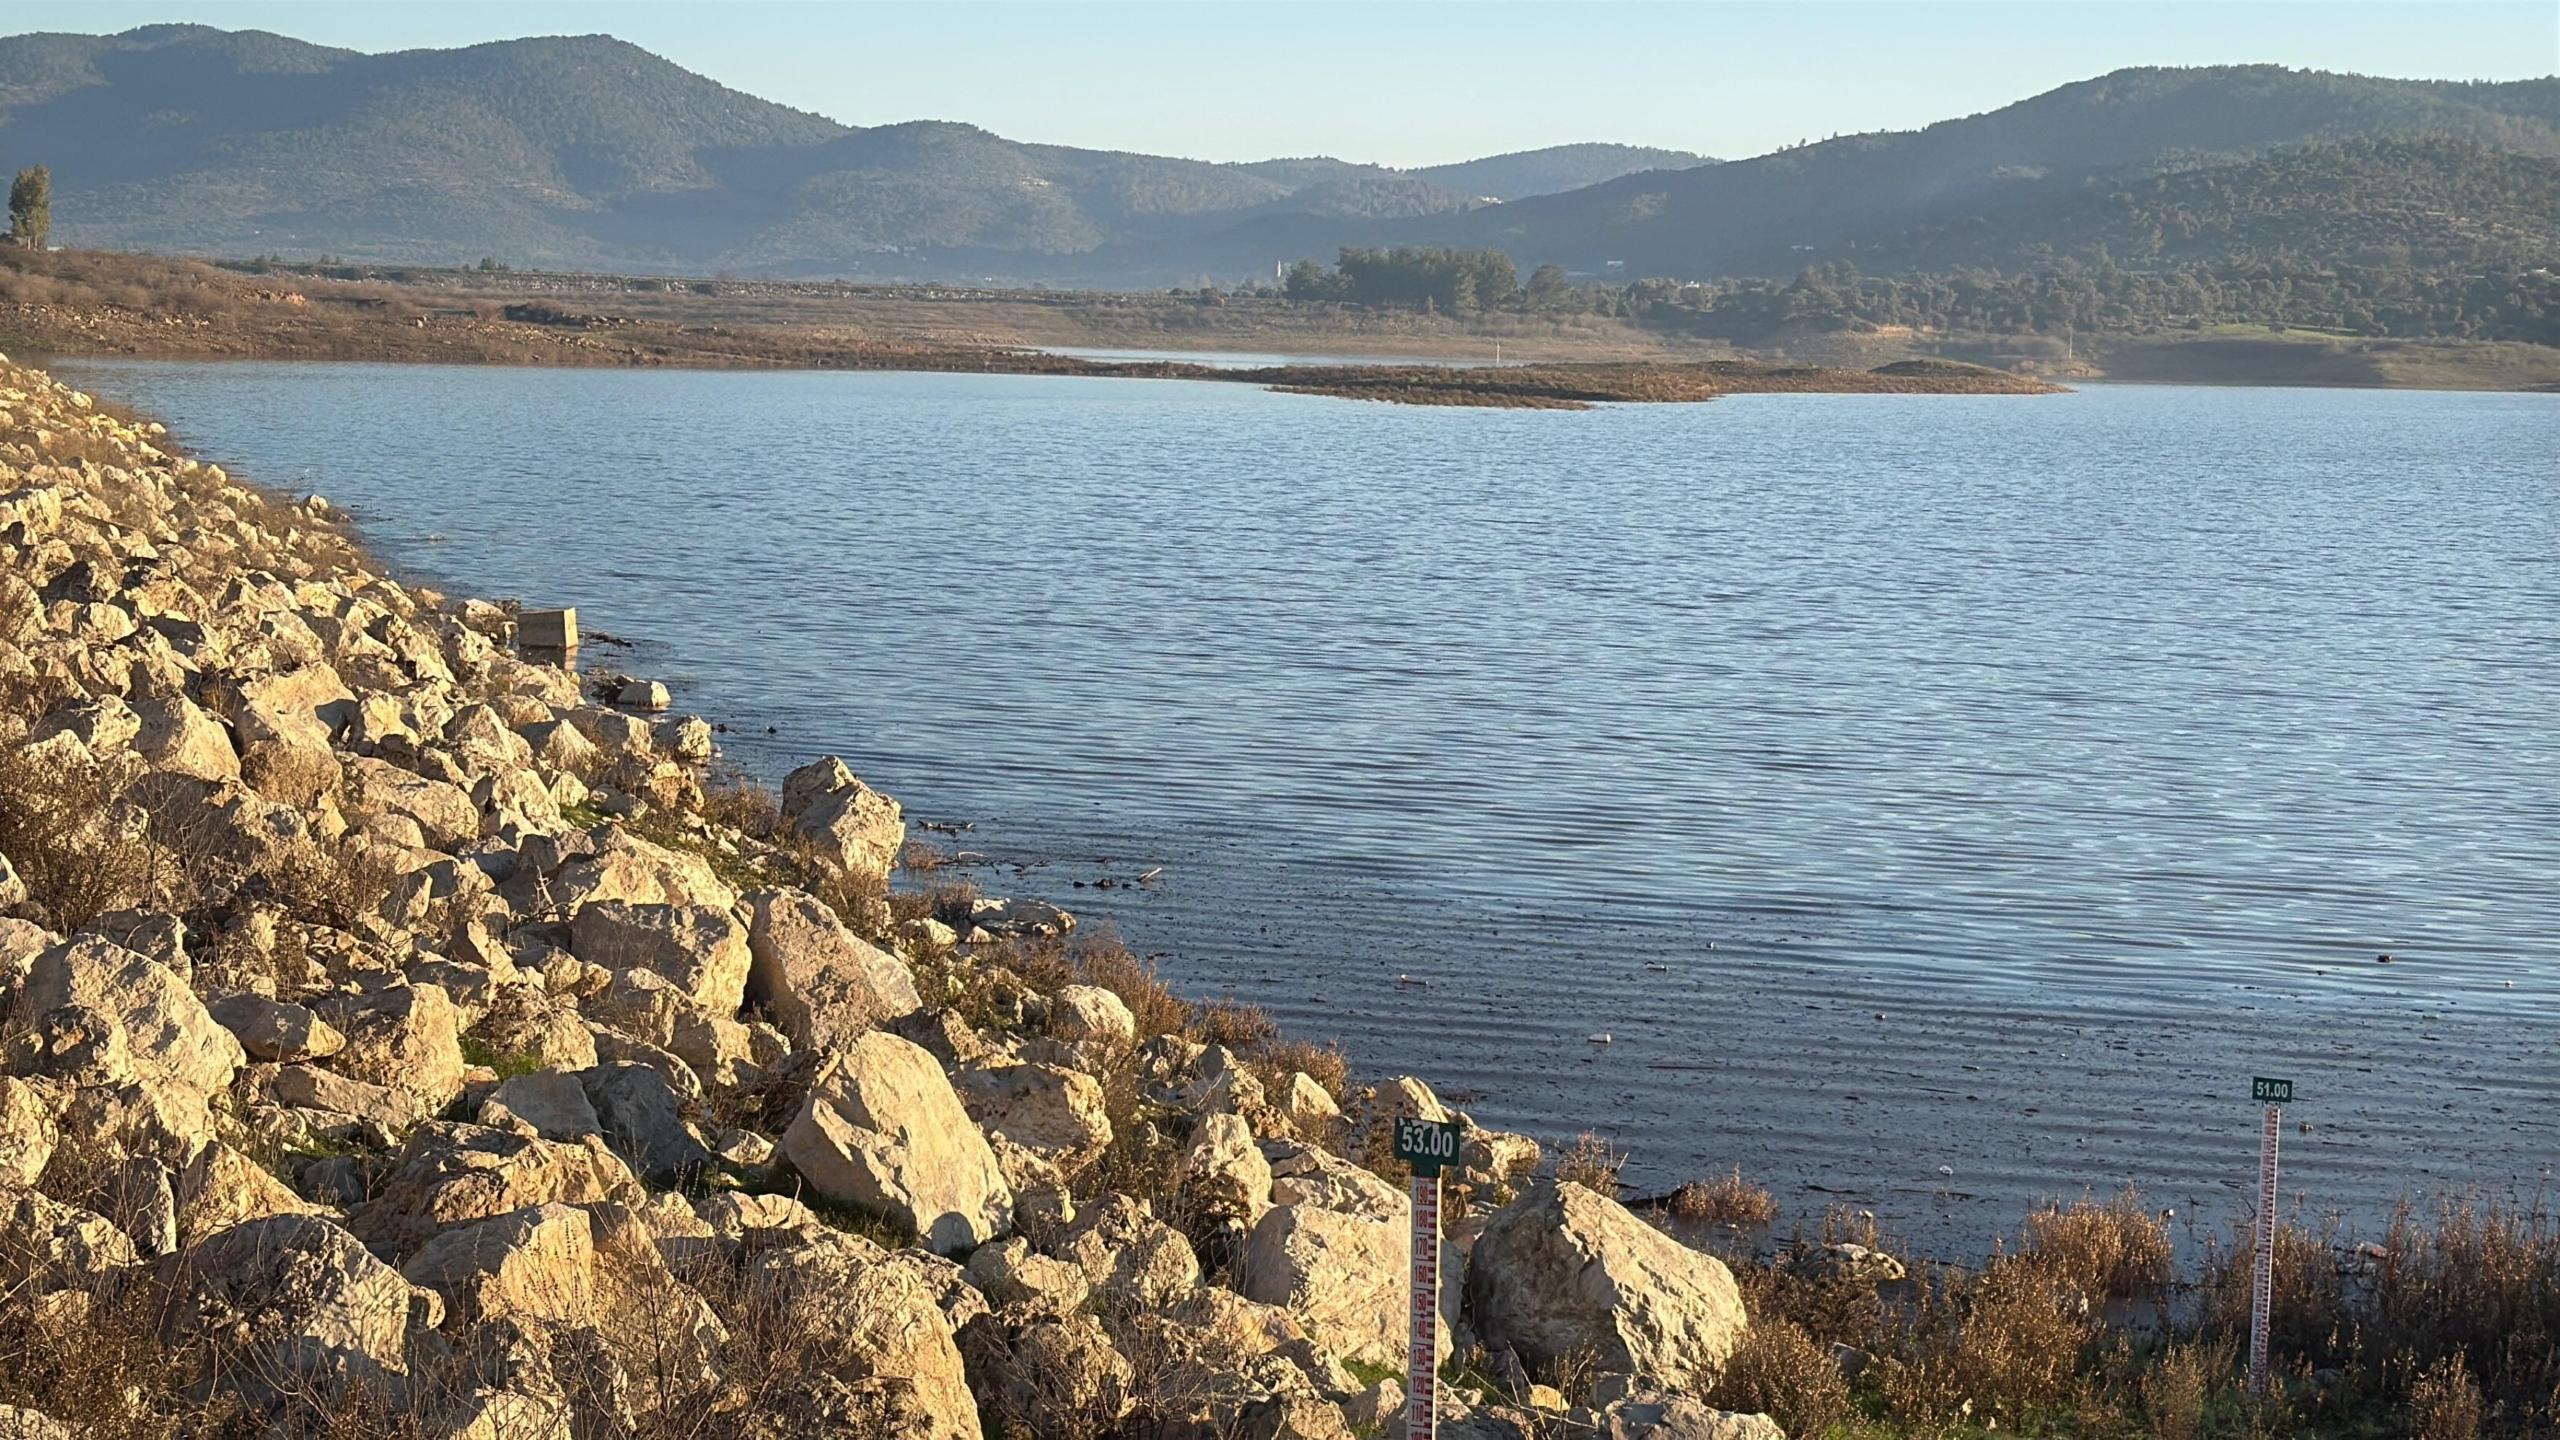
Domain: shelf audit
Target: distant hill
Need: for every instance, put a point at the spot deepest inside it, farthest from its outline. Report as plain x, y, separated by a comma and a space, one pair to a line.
586, 151
1555, 169
1824, 201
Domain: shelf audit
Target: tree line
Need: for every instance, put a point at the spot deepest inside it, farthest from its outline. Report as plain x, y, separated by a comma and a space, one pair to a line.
1426, 277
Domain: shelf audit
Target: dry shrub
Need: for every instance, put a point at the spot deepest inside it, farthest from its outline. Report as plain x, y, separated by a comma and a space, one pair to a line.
2480, 1285
92, 1359
2308, 1318
731, 801
1780, 1371
79, 849
1726, 1200
1231, 1023
2444, 1402
2005, 1344
922, 857
1102, 960
1275, 1060
2118, 1250
2175, 1388
1592, 1163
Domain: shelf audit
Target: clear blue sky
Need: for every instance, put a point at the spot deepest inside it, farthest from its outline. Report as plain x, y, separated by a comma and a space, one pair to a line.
1420, 83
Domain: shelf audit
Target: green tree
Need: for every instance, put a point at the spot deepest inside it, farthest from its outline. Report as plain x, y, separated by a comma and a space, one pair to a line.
1306, 281
31, 207
1548, 289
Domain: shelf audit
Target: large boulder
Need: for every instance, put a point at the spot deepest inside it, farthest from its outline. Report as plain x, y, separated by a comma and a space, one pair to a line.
27, 1131
1344, 1278
406, 1039
1089, 1013
1562, 1269
642, 1119
819, 981
443, 811
46, 1245
1223, 1173
1653, 1416
1131, 1259
619, 865
536, 1263
451, 1174
702, 950
293, 1306
277, 1030
1053, 1112
846, 821
221, 1188
171, 1039
882, 1130
870, 1322
177, 735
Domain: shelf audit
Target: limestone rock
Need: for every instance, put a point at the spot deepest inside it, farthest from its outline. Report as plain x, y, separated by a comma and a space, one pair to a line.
549, 1104
27, 1131
1651, 1416
220, 1188
277, 1030
882, 1130
622, 866
1055, 1113
1223, 1173
442, 811
537, 1263
1561, 1269
1302, 1174
407, 1039
820, 982
450, 1174
47, 1245
165, 1030
850, 823
292, 1305
1342, 1277
1131, 1258
1080, 1013
701, 949
642, 1122
867, 1320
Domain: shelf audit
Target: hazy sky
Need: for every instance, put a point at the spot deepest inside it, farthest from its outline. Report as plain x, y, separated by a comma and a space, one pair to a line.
1420, 83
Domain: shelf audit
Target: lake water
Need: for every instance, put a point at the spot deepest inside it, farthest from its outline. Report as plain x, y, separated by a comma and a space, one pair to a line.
1998, 782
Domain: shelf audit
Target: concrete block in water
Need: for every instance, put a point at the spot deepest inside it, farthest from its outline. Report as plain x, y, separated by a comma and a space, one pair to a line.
548, 629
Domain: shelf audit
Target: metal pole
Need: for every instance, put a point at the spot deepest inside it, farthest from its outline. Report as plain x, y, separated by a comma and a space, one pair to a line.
2263, 1284
1422, 1368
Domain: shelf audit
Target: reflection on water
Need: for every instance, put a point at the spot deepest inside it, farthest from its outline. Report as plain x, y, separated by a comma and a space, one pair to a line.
1997, 783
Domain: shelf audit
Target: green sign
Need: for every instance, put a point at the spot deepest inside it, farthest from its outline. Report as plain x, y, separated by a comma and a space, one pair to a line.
1426, 1145
2273, 1092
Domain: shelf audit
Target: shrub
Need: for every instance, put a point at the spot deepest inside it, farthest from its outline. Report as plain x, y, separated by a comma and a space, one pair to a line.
2444, 1402
1726, 1200
2003, 1345
1233, 1024
1592, 1163
2118, 1250
1782, 1372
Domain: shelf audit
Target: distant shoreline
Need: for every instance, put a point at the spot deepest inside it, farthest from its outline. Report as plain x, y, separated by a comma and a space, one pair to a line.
87, 304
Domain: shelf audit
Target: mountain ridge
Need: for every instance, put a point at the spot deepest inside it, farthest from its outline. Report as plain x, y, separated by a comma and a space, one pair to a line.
588, 152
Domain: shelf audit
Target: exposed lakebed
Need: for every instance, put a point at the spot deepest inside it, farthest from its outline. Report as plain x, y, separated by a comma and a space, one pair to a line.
1998, 784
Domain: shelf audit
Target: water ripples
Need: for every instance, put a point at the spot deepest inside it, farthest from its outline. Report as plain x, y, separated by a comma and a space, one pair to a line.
2000, 781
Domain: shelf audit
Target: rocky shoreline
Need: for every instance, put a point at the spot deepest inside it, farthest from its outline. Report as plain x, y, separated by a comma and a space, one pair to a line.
400, 1035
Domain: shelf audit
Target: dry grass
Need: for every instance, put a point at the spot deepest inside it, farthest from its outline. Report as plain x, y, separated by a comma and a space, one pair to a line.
1237, 1026
1727, 1200
2444, 1402
2115, 1250
2005, 1344
1780, 1371
1592, 1163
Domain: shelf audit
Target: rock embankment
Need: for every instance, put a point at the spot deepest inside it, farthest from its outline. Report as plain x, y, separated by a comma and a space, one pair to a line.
399, 1037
